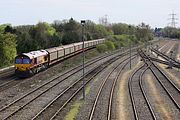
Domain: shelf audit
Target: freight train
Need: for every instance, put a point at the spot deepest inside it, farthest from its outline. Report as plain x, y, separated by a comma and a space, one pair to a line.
27, 64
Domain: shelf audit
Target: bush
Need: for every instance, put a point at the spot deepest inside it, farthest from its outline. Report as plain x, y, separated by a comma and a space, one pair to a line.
117, 44
110, 45
101, 48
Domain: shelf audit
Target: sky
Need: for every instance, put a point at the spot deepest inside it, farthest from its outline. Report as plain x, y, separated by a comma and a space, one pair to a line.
152, 12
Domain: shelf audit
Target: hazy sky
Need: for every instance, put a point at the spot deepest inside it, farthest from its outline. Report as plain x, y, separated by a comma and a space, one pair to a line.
153, 12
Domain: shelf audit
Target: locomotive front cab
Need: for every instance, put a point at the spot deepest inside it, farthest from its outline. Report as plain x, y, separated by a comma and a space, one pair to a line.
22, 65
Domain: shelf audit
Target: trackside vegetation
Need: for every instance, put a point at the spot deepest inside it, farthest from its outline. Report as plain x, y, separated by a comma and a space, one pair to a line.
7, 47
169, 32
25, 38
124, 35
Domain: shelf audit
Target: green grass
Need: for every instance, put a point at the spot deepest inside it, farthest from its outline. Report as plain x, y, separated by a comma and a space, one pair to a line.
74, 110
72, 114
88, 88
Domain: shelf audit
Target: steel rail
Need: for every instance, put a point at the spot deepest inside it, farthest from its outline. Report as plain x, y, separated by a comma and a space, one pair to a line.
145, 96
131, 92
70, 98
161, 83
100, 90
166, 90
88, 63
21, 107
112, 91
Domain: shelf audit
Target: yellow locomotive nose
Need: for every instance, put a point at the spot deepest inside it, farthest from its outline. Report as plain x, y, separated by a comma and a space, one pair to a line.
22, 67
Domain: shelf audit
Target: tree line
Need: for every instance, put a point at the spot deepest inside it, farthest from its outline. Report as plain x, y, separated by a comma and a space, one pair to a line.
25, 38
169, 32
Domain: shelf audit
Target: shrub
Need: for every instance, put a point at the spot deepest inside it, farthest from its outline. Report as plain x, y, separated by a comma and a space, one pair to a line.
110, 45
102, 48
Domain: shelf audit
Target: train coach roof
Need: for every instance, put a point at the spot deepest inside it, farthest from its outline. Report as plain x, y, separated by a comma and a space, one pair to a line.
99, 39
67, 46
35, 54
50, 50
79, 43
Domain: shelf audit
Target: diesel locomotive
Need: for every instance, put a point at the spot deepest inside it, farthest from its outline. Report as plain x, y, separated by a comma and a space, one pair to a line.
31, 63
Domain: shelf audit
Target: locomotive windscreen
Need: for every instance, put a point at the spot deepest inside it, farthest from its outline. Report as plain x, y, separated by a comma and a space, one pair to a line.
22, 60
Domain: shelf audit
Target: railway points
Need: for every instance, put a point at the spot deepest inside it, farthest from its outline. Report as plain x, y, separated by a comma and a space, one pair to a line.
109, 60
53, 98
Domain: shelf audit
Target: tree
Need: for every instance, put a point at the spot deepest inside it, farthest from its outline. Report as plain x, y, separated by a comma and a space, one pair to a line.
144, 33
43, 34
70, 37
72, 32
9, 29
72, 26
59, 25
7, 47
100, 31
171, 32
120, 28
25, 43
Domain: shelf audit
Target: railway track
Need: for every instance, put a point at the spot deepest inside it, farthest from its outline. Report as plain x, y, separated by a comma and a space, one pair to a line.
37, 91
164, 51
143, 89
103, 105
166, 46
4, 85
175, 50
165, 56
142, 108
170, 88
71, 92
6, 73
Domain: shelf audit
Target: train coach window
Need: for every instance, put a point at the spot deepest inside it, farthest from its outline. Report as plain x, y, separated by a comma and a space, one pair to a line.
18, 61
26, 61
